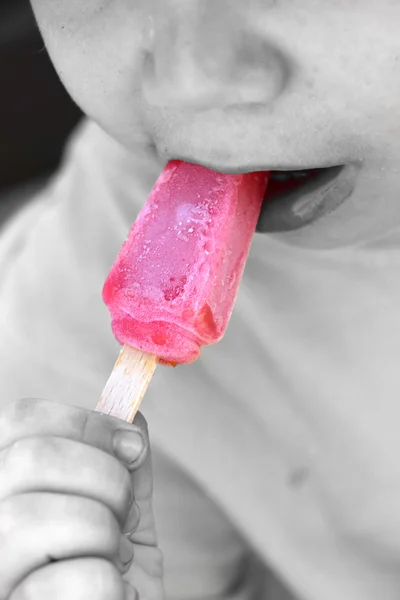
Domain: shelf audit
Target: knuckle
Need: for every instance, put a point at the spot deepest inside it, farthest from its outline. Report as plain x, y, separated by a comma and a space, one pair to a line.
103, 519
12, 518
24, 409
108, 578
81, 578
125, 490
19, 414
29, 454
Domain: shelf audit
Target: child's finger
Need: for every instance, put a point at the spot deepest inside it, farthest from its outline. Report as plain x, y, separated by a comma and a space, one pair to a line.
37, 529
36, 417
78, 579
59, 465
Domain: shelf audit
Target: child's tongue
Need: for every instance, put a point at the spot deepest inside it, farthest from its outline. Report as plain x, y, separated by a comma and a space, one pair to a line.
276, 187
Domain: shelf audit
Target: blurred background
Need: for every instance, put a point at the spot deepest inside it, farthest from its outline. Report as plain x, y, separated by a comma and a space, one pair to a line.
36, 113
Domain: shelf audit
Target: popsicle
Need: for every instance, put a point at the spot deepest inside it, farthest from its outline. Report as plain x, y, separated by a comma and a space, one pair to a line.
174, 283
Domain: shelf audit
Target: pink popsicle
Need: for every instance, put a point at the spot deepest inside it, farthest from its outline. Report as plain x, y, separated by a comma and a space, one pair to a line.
173, 285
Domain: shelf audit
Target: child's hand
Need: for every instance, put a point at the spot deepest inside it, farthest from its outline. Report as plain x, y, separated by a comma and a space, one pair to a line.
69, 524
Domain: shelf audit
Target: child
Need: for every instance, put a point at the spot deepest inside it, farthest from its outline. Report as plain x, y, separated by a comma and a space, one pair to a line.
278, 449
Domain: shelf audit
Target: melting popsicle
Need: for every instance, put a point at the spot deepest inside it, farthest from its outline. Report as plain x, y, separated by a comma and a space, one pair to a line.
173, 285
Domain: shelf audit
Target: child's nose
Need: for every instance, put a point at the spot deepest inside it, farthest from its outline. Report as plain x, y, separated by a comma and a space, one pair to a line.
203, 54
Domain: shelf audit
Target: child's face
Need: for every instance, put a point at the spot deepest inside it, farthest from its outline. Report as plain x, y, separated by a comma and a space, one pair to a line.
242, 84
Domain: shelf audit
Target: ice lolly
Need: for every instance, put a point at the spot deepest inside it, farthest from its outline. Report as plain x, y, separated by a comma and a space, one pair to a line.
173, 285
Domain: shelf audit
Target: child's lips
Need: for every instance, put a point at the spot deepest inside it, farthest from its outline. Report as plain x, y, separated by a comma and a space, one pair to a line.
310, 194
316, 196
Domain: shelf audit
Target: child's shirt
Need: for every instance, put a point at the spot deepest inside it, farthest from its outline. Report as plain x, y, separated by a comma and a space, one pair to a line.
324, 324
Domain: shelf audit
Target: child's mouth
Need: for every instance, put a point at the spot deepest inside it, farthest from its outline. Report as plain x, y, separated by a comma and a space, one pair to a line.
297, 198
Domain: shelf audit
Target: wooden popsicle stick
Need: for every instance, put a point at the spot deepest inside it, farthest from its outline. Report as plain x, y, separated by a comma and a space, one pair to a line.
127, 385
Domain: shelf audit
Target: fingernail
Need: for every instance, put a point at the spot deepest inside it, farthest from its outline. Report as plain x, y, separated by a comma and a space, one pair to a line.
126, 551
130, 592
133, 520
128, 445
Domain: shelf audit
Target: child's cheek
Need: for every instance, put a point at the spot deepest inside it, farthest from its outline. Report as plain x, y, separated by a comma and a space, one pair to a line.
71, 16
